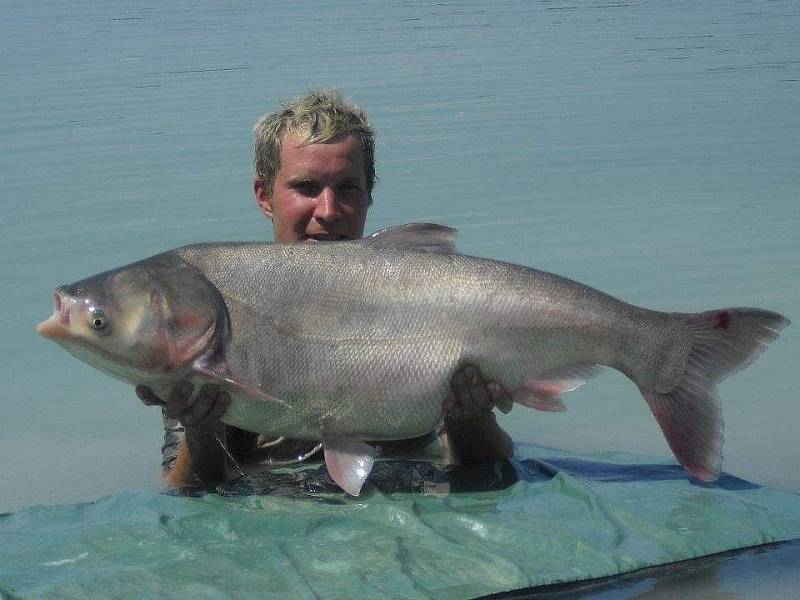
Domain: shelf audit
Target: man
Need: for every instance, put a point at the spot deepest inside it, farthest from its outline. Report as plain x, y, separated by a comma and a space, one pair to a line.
315, 171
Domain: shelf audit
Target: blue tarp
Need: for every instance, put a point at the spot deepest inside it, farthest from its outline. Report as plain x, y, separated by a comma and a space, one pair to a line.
417, 531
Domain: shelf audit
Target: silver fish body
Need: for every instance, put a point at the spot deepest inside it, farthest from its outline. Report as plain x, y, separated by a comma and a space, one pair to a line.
352, 341
368, 338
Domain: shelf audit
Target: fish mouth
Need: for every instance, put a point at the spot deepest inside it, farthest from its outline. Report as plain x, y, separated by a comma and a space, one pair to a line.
52, 330
57, 326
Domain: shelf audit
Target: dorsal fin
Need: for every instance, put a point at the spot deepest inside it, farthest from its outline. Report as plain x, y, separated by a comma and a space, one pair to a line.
429, 237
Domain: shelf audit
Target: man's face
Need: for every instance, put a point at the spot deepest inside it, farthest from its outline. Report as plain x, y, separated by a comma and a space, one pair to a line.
320, 191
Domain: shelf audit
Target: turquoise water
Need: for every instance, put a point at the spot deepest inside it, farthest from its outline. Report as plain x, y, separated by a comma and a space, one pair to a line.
647, 149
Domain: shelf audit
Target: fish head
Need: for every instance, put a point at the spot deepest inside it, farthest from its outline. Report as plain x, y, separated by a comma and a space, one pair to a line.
142, 323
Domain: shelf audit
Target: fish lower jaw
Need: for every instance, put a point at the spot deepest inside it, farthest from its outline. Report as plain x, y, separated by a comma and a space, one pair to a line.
54, 329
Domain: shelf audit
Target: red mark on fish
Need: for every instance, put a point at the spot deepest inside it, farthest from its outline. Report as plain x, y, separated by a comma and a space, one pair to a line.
722, 320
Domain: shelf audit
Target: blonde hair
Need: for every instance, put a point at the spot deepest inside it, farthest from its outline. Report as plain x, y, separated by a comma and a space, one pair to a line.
326, 116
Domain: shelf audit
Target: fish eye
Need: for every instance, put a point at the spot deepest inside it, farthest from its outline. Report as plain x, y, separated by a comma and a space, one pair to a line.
97, 318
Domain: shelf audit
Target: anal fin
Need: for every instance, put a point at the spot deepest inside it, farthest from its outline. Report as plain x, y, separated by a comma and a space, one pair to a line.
349, 462
543, 392
543, 403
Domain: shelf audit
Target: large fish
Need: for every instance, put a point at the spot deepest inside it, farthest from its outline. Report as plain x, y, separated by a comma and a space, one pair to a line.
349, 342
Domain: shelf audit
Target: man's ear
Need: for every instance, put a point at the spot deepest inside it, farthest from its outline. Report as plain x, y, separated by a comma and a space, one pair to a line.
263, 198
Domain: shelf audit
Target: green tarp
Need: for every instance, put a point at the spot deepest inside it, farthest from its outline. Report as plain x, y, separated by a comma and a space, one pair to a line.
418, 531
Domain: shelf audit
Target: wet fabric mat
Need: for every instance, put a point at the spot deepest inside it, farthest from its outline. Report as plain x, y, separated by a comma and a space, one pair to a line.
417, 531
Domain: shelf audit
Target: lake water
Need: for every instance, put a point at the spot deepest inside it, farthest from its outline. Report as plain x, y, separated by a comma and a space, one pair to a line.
649, 149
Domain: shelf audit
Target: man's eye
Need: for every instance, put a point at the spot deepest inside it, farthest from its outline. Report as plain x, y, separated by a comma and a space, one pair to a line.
307, 189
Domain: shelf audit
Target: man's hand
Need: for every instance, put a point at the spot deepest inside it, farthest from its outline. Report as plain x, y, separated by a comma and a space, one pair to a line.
200, 412
473, 397
201, 458
472, 430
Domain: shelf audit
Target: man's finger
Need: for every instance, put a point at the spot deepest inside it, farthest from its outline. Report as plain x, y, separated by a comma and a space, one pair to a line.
479, 401
215, 412
450, 407
200, 405
460, 390
147, 396
499, 397
179, 401
207, 408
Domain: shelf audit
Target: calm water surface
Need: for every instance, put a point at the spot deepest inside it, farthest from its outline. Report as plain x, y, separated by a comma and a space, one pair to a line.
649, 149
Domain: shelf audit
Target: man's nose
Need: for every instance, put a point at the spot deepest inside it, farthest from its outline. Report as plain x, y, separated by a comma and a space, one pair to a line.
325, 209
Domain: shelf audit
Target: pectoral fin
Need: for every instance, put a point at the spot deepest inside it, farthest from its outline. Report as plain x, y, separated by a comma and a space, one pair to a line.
349, 462
219, 375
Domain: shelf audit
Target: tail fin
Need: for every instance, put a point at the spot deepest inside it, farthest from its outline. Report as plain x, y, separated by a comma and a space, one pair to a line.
723, 342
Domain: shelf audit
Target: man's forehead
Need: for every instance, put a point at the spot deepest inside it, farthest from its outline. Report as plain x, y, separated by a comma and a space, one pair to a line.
299, 158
